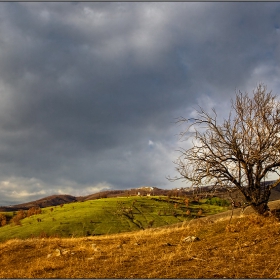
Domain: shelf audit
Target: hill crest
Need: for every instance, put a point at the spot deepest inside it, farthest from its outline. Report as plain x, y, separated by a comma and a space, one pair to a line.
55, 200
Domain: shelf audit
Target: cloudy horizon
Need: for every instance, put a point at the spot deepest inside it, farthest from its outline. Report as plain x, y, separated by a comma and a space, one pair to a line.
90, 91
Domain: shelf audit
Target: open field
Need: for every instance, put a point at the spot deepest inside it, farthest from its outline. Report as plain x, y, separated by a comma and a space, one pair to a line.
247, 248
106, 216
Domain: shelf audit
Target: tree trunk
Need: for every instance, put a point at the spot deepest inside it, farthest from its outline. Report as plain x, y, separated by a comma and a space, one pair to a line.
261, 208
258, 199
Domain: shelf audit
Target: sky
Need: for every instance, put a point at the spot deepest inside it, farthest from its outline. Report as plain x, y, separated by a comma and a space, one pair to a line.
90, 91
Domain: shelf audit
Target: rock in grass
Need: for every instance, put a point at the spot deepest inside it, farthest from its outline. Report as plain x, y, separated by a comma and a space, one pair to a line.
64, 252
95, 249
191, 239
57, 252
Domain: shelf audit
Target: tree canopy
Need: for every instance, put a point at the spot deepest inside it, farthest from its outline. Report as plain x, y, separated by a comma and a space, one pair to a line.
241, 151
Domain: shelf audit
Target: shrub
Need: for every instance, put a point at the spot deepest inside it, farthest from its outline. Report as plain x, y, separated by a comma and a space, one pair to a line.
218, 201
3, 220
34, 211
16, 220
21, 214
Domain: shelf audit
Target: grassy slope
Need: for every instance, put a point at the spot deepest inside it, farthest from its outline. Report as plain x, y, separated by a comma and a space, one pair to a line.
248, 248
101, 216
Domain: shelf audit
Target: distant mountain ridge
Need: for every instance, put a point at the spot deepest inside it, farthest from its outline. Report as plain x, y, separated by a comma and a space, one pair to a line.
55, 200
52, 200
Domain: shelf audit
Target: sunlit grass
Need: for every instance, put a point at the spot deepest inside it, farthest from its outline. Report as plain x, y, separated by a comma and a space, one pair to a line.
105, 216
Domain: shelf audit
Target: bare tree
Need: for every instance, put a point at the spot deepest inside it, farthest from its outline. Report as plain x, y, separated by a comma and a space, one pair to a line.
241, 151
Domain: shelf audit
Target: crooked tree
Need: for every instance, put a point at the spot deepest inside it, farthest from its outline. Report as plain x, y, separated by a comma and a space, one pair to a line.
240, 151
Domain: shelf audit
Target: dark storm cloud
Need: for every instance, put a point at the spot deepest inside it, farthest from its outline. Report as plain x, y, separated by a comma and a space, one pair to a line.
89, 91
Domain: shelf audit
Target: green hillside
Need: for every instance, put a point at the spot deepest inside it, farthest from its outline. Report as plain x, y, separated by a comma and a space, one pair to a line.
107, 215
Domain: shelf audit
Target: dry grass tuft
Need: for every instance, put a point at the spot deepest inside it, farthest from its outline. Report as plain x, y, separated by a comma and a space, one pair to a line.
247, 248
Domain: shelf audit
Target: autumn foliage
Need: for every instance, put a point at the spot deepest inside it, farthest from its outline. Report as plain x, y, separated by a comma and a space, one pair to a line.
3, 220
21, 214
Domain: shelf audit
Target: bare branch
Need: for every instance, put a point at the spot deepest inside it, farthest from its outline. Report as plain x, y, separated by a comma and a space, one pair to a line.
241, 151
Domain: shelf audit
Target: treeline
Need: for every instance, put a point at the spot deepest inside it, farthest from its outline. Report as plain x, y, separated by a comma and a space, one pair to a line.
19, 215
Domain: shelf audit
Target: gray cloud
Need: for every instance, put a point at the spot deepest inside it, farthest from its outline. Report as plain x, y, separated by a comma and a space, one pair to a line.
89, 91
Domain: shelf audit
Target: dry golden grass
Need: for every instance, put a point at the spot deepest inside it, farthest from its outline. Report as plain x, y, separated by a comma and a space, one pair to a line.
247, 248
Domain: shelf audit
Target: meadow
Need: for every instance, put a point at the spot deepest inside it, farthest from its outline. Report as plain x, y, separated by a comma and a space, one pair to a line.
108, 216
